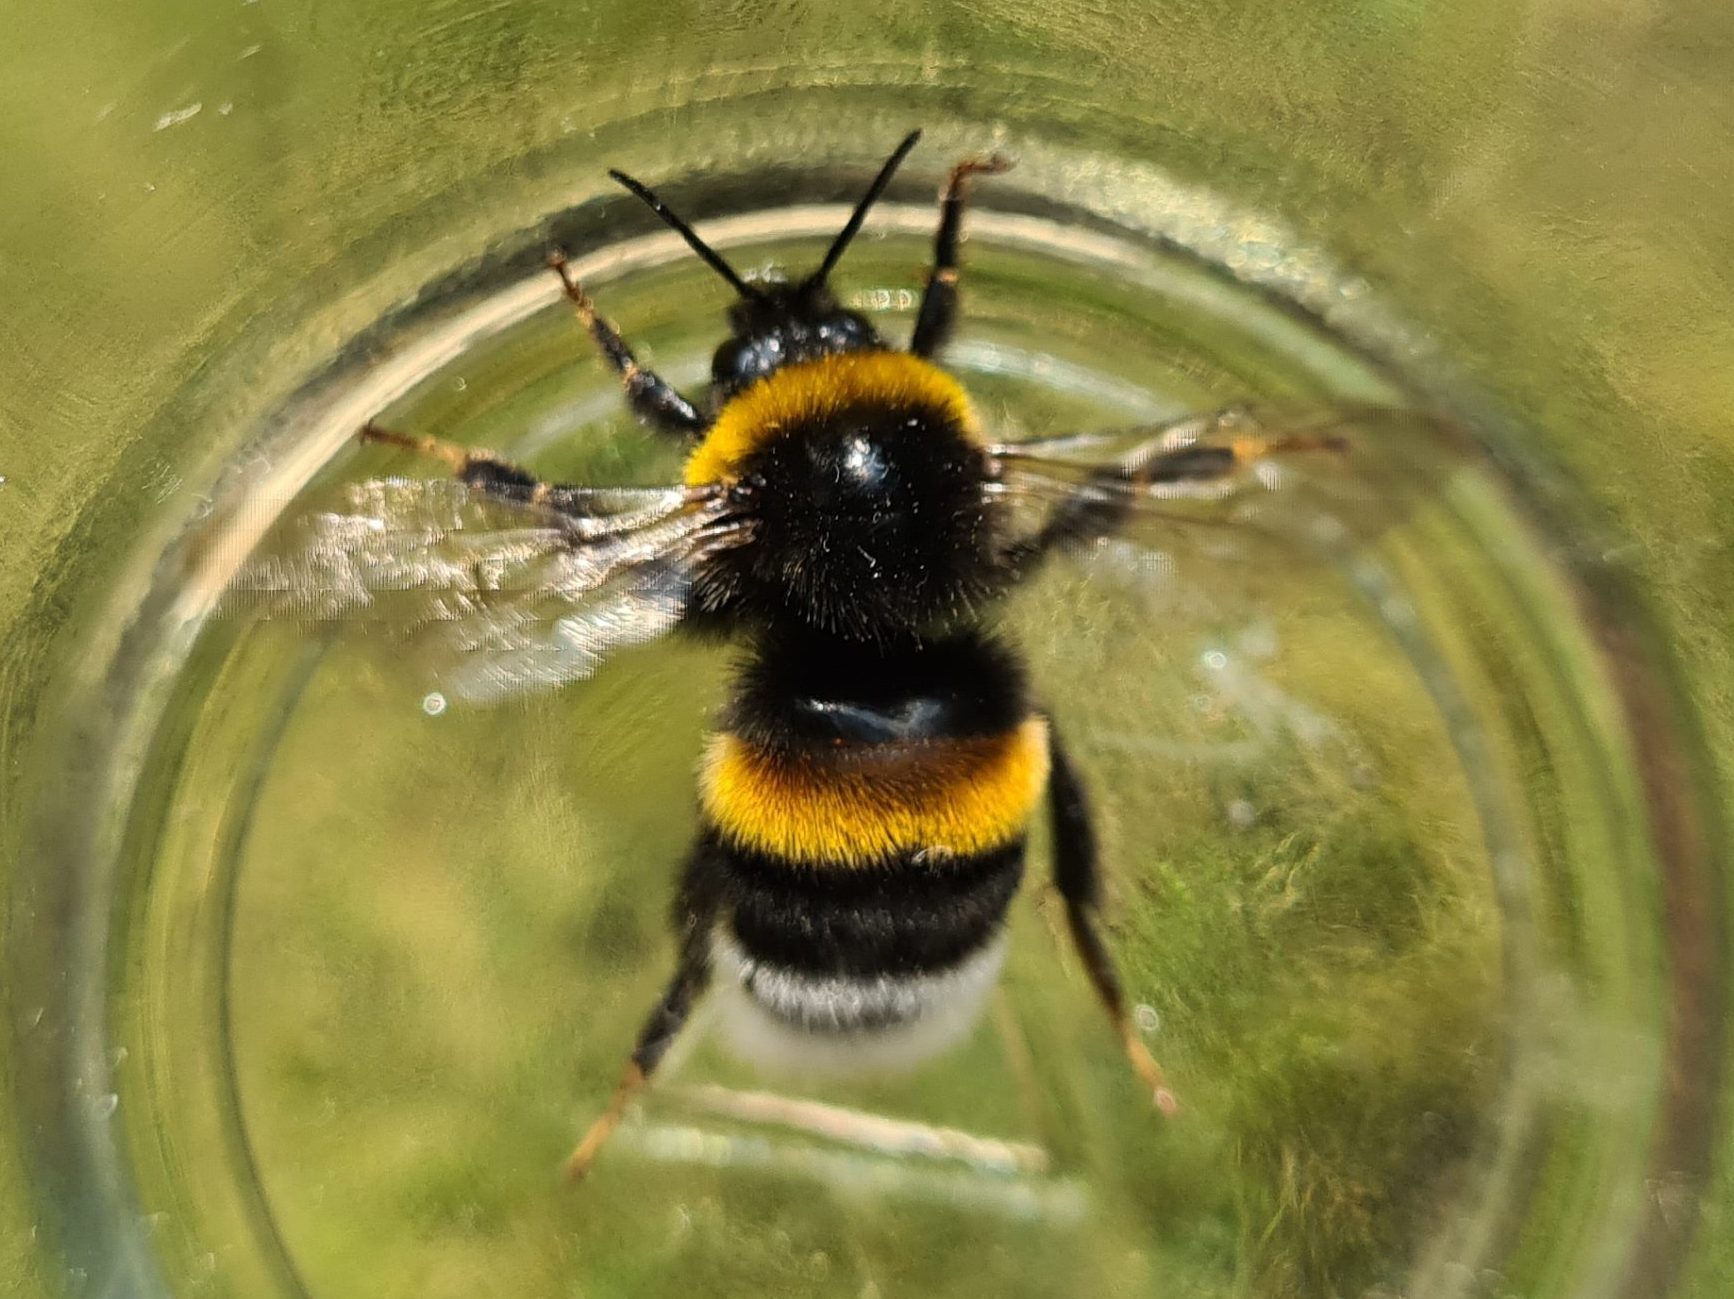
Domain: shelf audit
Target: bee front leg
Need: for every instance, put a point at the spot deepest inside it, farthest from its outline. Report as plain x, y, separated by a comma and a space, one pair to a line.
651, 397
695, 913
1078, 878
938, 313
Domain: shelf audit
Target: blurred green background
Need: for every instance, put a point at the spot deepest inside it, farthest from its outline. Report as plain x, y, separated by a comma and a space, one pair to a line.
200, 202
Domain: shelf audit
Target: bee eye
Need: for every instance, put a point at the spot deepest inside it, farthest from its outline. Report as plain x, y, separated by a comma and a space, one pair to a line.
727, 361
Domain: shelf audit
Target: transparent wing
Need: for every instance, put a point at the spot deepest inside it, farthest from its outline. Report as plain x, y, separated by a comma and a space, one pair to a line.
503, 596
1270, 488
1215, 571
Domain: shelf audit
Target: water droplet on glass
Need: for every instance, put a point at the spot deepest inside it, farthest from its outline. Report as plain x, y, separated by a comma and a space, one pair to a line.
1215, 660
1146, 1018
1397, 611
106, 1104
433, 703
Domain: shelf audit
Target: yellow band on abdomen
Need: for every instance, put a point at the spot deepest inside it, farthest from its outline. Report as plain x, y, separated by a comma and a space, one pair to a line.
857, 807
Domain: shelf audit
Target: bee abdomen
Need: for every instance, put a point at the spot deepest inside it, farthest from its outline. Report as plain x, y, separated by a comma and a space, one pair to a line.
791, 1012
866, 809
908, 918
863, 951
866, 890
857, 806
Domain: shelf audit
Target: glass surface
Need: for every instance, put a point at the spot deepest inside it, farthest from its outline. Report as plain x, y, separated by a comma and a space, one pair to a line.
1416, 843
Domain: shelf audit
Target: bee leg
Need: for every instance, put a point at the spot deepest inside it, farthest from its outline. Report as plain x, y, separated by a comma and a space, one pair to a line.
939, 303
651, 397
695, 913
451, 454
657, 1036
1097, 507
477, 470
1079, 881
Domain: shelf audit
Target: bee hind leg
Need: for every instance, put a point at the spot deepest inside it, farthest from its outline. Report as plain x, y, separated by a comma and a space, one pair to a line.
695, 912
657, 1036
1078, 878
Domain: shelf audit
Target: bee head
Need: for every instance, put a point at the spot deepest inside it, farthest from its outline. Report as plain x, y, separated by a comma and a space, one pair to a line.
776, 323
785, 324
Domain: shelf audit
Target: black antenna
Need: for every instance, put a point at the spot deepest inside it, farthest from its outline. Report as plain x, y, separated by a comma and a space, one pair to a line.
711, 257
860, 213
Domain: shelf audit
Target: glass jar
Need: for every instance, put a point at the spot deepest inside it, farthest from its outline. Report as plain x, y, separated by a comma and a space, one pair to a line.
307, 977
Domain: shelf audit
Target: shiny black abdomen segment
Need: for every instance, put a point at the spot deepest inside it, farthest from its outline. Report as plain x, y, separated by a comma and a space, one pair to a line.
906, 918
805, 689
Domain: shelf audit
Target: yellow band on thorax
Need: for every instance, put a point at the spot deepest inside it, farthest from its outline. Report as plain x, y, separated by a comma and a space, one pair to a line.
951, 798
801, 394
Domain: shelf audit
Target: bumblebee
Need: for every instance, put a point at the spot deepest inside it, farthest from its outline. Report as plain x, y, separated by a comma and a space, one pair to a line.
847, 520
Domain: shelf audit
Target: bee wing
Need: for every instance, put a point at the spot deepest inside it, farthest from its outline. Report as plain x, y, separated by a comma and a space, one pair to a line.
504, 596
1239, 485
